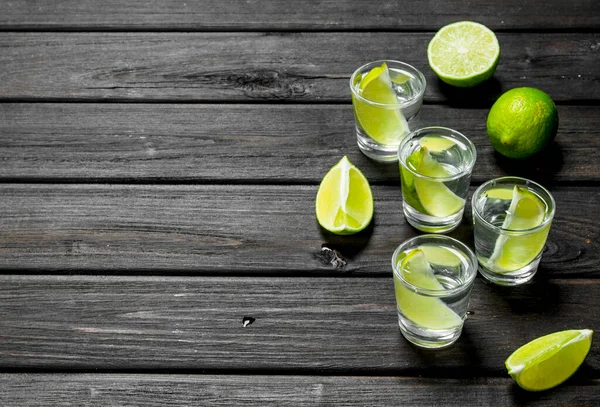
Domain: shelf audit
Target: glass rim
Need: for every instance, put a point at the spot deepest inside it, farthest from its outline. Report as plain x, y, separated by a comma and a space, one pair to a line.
436, 293
524, 181
416, 99
464, 139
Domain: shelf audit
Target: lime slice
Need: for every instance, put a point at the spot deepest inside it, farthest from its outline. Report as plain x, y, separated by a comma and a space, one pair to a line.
440, 256
437, 199
464, 54
384, 124
549, 360
436, 144
512, 253
427, 312
344, 203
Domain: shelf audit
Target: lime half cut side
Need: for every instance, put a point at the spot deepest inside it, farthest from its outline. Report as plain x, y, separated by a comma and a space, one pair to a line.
549, 360
344, 203
464, 53
513, 252
424, 311
435, 197
383, 120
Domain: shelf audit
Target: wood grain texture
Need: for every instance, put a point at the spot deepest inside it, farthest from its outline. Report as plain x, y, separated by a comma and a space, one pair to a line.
293, 67
152, 390
190, 15
221, 229
308, 325
250, 143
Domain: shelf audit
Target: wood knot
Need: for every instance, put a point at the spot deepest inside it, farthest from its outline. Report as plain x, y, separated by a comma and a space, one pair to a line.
329, 256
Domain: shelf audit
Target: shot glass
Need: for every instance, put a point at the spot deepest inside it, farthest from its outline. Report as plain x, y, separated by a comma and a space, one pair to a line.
512, 218
435, 172
433, 280
383, 116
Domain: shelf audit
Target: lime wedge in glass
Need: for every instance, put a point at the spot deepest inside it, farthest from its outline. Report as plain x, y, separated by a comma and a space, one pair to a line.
513, 252
437, 199
384, 124
344, 203
464, 54
440, 256
436, 144
427, 312
549, 360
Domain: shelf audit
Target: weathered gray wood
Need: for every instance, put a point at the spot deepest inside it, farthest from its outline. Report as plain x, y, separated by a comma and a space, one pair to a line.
300, 67
149, 390
310, 325
236, 229
298, 15
249, 143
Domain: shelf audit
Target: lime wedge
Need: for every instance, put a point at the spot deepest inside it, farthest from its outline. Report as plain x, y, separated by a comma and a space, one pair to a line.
427, 312
464, 54
440, 256
437, 199
549, 360
384, 124
436, 144
504, 194
512, 253
344, 203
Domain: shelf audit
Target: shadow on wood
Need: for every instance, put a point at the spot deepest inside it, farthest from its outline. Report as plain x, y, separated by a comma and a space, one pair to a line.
482, 95
540, 168
538, 296
338, 249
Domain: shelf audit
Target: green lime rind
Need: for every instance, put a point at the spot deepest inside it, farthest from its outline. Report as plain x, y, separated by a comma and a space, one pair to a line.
522, 122
548, 361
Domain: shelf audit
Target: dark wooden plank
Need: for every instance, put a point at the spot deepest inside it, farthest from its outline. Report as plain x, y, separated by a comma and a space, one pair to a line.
298, 15
249, 143
302, 325
302, 67
236, 229
149, 390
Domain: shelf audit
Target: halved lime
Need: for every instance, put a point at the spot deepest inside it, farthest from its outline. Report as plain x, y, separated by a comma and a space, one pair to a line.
464, 54
526, 211
384, 124
440, 256
437, 199
549, 360
427, 312
344, 203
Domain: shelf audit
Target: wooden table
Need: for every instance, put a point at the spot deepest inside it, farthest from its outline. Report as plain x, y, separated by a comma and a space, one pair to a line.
158, 168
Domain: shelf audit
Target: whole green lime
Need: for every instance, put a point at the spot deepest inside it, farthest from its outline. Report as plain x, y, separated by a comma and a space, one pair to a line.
522, 122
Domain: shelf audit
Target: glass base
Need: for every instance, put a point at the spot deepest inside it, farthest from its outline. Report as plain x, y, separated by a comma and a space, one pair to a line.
374, 150
513, 278
427, 338
431, 224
